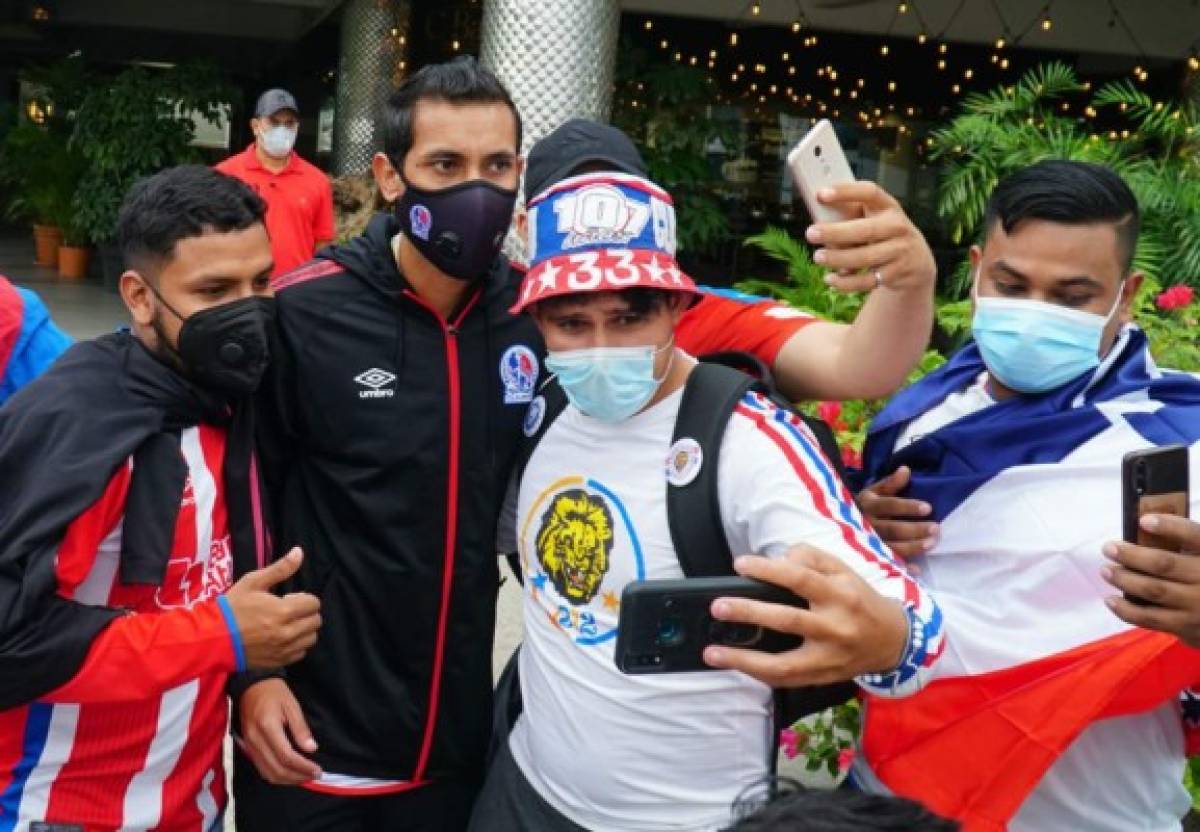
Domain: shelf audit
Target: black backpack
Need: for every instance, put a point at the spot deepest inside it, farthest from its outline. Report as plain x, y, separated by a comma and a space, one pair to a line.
713, 390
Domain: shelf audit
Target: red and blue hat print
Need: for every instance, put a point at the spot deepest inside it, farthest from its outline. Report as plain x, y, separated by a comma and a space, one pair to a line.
601, 232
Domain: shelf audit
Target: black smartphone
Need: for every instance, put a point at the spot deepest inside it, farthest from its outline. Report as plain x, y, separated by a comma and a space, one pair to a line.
665, 625
1153, 481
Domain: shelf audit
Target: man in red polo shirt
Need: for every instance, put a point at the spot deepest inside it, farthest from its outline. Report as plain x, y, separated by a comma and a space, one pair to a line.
298, 195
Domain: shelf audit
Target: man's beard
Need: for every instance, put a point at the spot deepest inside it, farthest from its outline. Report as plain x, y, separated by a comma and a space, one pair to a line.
163, 350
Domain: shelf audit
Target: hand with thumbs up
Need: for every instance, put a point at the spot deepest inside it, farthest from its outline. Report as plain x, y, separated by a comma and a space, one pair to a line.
275, 631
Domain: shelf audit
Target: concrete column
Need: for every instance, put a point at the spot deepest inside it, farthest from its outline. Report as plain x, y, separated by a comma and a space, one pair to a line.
373, 59
556, 57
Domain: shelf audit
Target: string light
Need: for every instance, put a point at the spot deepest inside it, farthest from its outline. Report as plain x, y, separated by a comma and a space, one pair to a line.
883, 50
1047, 23
662, 44
712, 54
943, 48
891, 86
795, 26
1004, 63
854, 94
922, 37
455, 46
902, 8
969, 74
733, 38
862, 82
942, 63
787, 56
649, 25
756, 9
1193, 62
956, 89
1000, 43
791, 70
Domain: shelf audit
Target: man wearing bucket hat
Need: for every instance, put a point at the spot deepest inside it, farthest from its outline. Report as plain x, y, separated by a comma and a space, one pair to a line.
593, 748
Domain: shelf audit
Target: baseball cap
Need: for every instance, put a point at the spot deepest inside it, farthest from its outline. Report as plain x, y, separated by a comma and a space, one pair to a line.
574, 143
601, 232
272, 101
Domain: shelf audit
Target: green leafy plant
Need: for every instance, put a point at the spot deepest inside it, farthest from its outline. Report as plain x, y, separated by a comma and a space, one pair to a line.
41, 172
1157, 151
826, 740
38, 168
664, 109
136, 124
805, 287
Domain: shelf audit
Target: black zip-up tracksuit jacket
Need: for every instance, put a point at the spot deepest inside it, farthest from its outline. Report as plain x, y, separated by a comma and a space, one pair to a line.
391, 437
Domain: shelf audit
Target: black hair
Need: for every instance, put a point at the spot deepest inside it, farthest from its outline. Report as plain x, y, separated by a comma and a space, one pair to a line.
1070, 193
460, 81
181, 202
642, 300
842, 810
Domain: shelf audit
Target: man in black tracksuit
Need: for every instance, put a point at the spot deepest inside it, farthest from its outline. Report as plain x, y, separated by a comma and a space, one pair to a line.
398, 391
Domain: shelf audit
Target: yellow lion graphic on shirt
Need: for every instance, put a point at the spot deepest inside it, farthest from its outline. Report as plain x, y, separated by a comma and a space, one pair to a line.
574, 543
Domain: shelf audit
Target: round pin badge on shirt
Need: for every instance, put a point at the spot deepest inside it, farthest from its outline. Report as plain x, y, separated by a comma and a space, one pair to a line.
534, 415
684, 461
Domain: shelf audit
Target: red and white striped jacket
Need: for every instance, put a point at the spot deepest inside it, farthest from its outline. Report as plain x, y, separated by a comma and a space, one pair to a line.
133, 741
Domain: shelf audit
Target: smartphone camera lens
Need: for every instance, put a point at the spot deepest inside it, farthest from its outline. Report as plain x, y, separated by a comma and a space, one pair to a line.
670, 632
1139, 478
817, 151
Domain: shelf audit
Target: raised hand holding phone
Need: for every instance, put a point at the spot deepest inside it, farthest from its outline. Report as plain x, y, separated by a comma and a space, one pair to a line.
862, 234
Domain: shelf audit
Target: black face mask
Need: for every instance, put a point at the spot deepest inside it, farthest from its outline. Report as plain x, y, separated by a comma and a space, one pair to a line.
458, 229
225, 348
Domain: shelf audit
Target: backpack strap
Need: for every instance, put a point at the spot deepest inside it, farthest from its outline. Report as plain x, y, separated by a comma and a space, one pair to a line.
711, 393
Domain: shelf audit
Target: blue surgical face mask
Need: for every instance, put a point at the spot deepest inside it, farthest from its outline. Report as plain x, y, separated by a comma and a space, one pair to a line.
608, 383
1030, 346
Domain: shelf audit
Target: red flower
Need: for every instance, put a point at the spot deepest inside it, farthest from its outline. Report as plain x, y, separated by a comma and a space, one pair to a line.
851, 458
829, 412
1176, 297
791, 742
845, 759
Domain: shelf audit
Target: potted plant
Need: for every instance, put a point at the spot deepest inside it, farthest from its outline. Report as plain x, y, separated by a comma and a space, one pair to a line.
37, 167
40, 172
74, 253
136, 124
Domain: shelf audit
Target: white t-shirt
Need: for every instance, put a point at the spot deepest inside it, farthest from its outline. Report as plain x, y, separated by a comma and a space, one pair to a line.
1118, 775
672, 751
